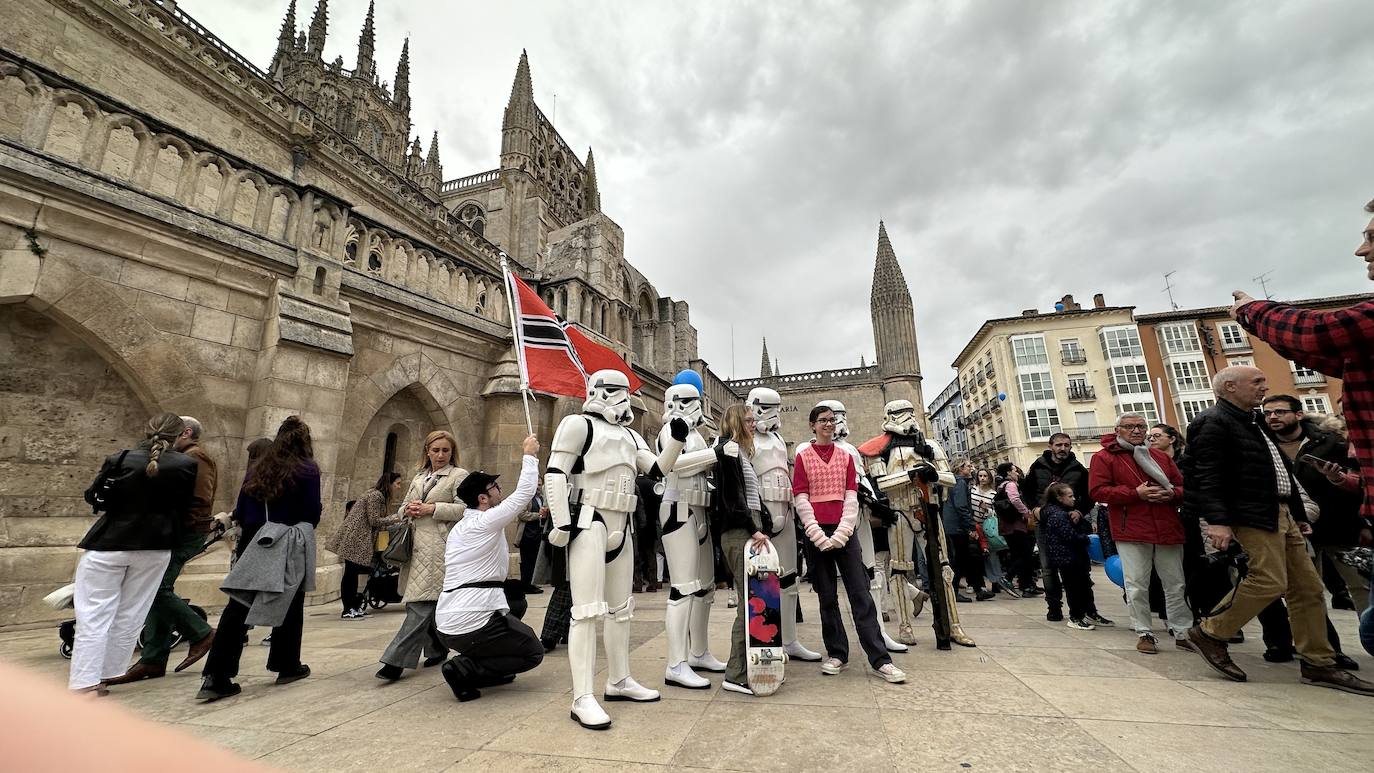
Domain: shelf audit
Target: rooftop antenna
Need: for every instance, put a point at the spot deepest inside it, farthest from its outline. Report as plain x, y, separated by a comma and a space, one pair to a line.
1169, 288
1263, 280
732, 351
553, 112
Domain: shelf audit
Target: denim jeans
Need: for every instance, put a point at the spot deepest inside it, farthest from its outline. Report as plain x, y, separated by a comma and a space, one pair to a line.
1367, 623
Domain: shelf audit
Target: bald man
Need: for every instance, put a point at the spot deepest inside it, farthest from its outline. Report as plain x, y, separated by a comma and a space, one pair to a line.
1240, 483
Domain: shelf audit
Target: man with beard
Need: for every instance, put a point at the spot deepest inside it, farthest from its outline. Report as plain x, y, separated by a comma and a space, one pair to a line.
1319, 462
1057, 465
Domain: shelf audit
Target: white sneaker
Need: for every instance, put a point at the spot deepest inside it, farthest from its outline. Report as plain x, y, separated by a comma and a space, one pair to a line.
706, 662
589, 714
832, 666
351, 614
730, 686
892, 644
796, 651
630, 690
891, 673
1080, 625
682, 675
732, 600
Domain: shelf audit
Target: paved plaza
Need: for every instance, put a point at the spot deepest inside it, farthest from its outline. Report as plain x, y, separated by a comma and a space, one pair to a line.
1032, 696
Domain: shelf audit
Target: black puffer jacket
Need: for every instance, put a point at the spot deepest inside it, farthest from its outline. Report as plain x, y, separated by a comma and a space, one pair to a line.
144, 513
1045, 471
730, 504
1229, 476
1340, 522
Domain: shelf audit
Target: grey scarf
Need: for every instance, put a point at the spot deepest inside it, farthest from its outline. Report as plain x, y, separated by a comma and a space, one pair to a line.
1146, 462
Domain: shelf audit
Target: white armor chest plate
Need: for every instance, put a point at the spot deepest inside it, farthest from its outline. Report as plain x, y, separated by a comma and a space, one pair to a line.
902, 458
698, 482
607, 479
770, 464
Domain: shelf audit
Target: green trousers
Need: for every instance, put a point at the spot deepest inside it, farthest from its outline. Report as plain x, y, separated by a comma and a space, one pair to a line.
732, 545
169, 612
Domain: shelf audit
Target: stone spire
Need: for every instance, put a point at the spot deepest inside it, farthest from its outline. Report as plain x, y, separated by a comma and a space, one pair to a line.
414, 161
318, 23
766, 365
432, 158
401, 85
367, 41
286, 41
431, 172
517, 128
894, 322
591, 201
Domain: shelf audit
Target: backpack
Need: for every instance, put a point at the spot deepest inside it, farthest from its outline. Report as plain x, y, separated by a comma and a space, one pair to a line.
1001, 504
104, 493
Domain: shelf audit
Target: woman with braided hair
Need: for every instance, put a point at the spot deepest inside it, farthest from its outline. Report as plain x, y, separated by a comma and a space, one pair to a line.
144, 494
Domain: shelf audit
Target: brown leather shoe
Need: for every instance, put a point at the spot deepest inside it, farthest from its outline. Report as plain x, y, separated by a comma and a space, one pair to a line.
138, 672
1184, 644
1215, 654
198, 651
1336, 679
1145, 645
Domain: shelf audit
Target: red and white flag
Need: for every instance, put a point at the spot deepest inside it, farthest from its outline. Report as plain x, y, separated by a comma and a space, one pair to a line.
556, 357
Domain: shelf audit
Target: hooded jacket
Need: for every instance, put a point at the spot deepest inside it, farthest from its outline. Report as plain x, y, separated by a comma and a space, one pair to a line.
1339, 524
1113, 480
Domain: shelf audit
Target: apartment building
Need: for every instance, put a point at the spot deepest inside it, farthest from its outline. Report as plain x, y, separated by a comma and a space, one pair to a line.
1185, 348
1027, 377
946, 418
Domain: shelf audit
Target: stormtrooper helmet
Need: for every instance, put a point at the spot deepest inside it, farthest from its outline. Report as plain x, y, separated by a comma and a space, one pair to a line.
764, 404
608, 396
841, 421
683, 401
900, 418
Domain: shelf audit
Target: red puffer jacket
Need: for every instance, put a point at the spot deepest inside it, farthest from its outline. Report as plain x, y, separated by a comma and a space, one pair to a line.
1113, 477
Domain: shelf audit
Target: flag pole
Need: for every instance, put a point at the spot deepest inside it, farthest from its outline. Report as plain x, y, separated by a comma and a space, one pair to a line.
515, 338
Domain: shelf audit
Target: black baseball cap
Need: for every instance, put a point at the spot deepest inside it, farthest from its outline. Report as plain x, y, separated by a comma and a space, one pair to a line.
474, 484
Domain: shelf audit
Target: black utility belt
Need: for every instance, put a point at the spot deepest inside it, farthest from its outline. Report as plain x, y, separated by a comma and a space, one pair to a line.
479, 584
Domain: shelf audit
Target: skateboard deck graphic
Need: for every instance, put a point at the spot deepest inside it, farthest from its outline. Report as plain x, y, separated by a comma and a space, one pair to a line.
763, 622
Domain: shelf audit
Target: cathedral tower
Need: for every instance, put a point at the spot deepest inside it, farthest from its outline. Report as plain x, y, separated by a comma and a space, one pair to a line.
894, 328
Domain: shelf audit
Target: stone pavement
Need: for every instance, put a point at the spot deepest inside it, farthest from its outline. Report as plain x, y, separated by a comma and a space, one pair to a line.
1032, 696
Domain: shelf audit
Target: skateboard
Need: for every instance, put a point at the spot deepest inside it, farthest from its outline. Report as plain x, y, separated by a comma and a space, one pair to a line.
763, 621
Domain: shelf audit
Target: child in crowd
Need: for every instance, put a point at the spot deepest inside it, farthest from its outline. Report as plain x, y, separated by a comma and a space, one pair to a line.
1066, 539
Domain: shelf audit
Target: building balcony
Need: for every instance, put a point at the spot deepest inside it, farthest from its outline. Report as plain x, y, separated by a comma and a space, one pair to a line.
1000, 442
1084, 434
1078, 357
1078, 394
1233, 347
988, 371
981, 379
1308, 379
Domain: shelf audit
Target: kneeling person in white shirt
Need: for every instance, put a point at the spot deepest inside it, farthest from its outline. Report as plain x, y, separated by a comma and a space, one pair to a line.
473, 616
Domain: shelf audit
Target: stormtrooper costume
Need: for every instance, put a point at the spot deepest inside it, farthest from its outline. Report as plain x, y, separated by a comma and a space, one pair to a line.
775, 491
864, 528
590, 486
687, 544
906, 465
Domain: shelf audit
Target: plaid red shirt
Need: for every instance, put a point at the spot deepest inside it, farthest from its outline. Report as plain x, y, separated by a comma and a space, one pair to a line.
1339, 344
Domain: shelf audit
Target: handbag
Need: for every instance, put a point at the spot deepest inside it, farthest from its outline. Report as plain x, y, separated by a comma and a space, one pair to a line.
103, 492
991, 530
401, 541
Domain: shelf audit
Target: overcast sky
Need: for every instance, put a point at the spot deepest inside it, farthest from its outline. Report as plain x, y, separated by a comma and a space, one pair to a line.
1017, 150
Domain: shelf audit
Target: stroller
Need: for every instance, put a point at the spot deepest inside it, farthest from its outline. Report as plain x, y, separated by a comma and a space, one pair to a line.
383, 584
63, 598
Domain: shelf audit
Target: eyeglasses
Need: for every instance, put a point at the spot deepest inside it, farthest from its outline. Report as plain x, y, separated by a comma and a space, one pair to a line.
826, 421
1131, 427
1155, 435
1275, 412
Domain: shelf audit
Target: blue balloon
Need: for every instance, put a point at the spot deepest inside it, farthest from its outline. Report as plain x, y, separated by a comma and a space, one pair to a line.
1058, 307
1095, 548
1114, 572
1002, 396
690, 377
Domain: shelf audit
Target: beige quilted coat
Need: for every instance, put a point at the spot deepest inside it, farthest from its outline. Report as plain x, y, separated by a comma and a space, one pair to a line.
422, 578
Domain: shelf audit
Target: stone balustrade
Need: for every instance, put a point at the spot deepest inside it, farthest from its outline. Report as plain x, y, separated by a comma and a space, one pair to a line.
471, 181
818, 379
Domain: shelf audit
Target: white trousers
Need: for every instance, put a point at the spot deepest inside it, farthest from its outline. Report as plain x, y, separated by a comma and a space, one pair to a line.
1137, 559
114, 590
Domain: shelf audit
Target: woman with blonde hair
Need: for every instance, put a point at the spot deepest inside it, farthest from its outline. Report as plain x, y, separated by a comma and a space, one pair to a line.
431, 506
736, 515
144, 494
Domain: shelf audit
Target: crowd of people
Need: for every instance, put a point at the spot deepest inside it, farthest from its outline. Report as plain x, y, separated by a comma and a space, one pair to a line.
1256, 510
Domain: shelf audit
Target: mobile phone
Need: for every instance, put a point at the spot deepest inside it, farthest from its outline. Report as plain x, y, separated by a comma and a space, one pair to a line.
1315, 461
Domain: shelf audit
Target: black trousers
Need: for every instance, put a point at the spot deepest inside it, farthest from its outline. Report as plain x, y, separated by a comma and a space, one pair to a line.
1078, 589
348, 584
849, 563
285, 655
968, 560
488, 656
1022, 567
529, 555
1054, 594
1278, 632
558, 615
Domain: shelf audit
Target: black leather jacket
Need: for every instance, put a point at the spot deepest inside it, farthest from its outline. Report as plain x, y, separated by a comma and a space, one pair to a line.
145, 513
1229, 478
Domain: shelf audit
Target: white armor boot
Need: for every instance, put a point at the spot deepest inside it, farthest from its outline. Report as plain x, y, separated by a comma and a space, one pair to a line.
591, 509
682, 523
863, 529
775, 490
